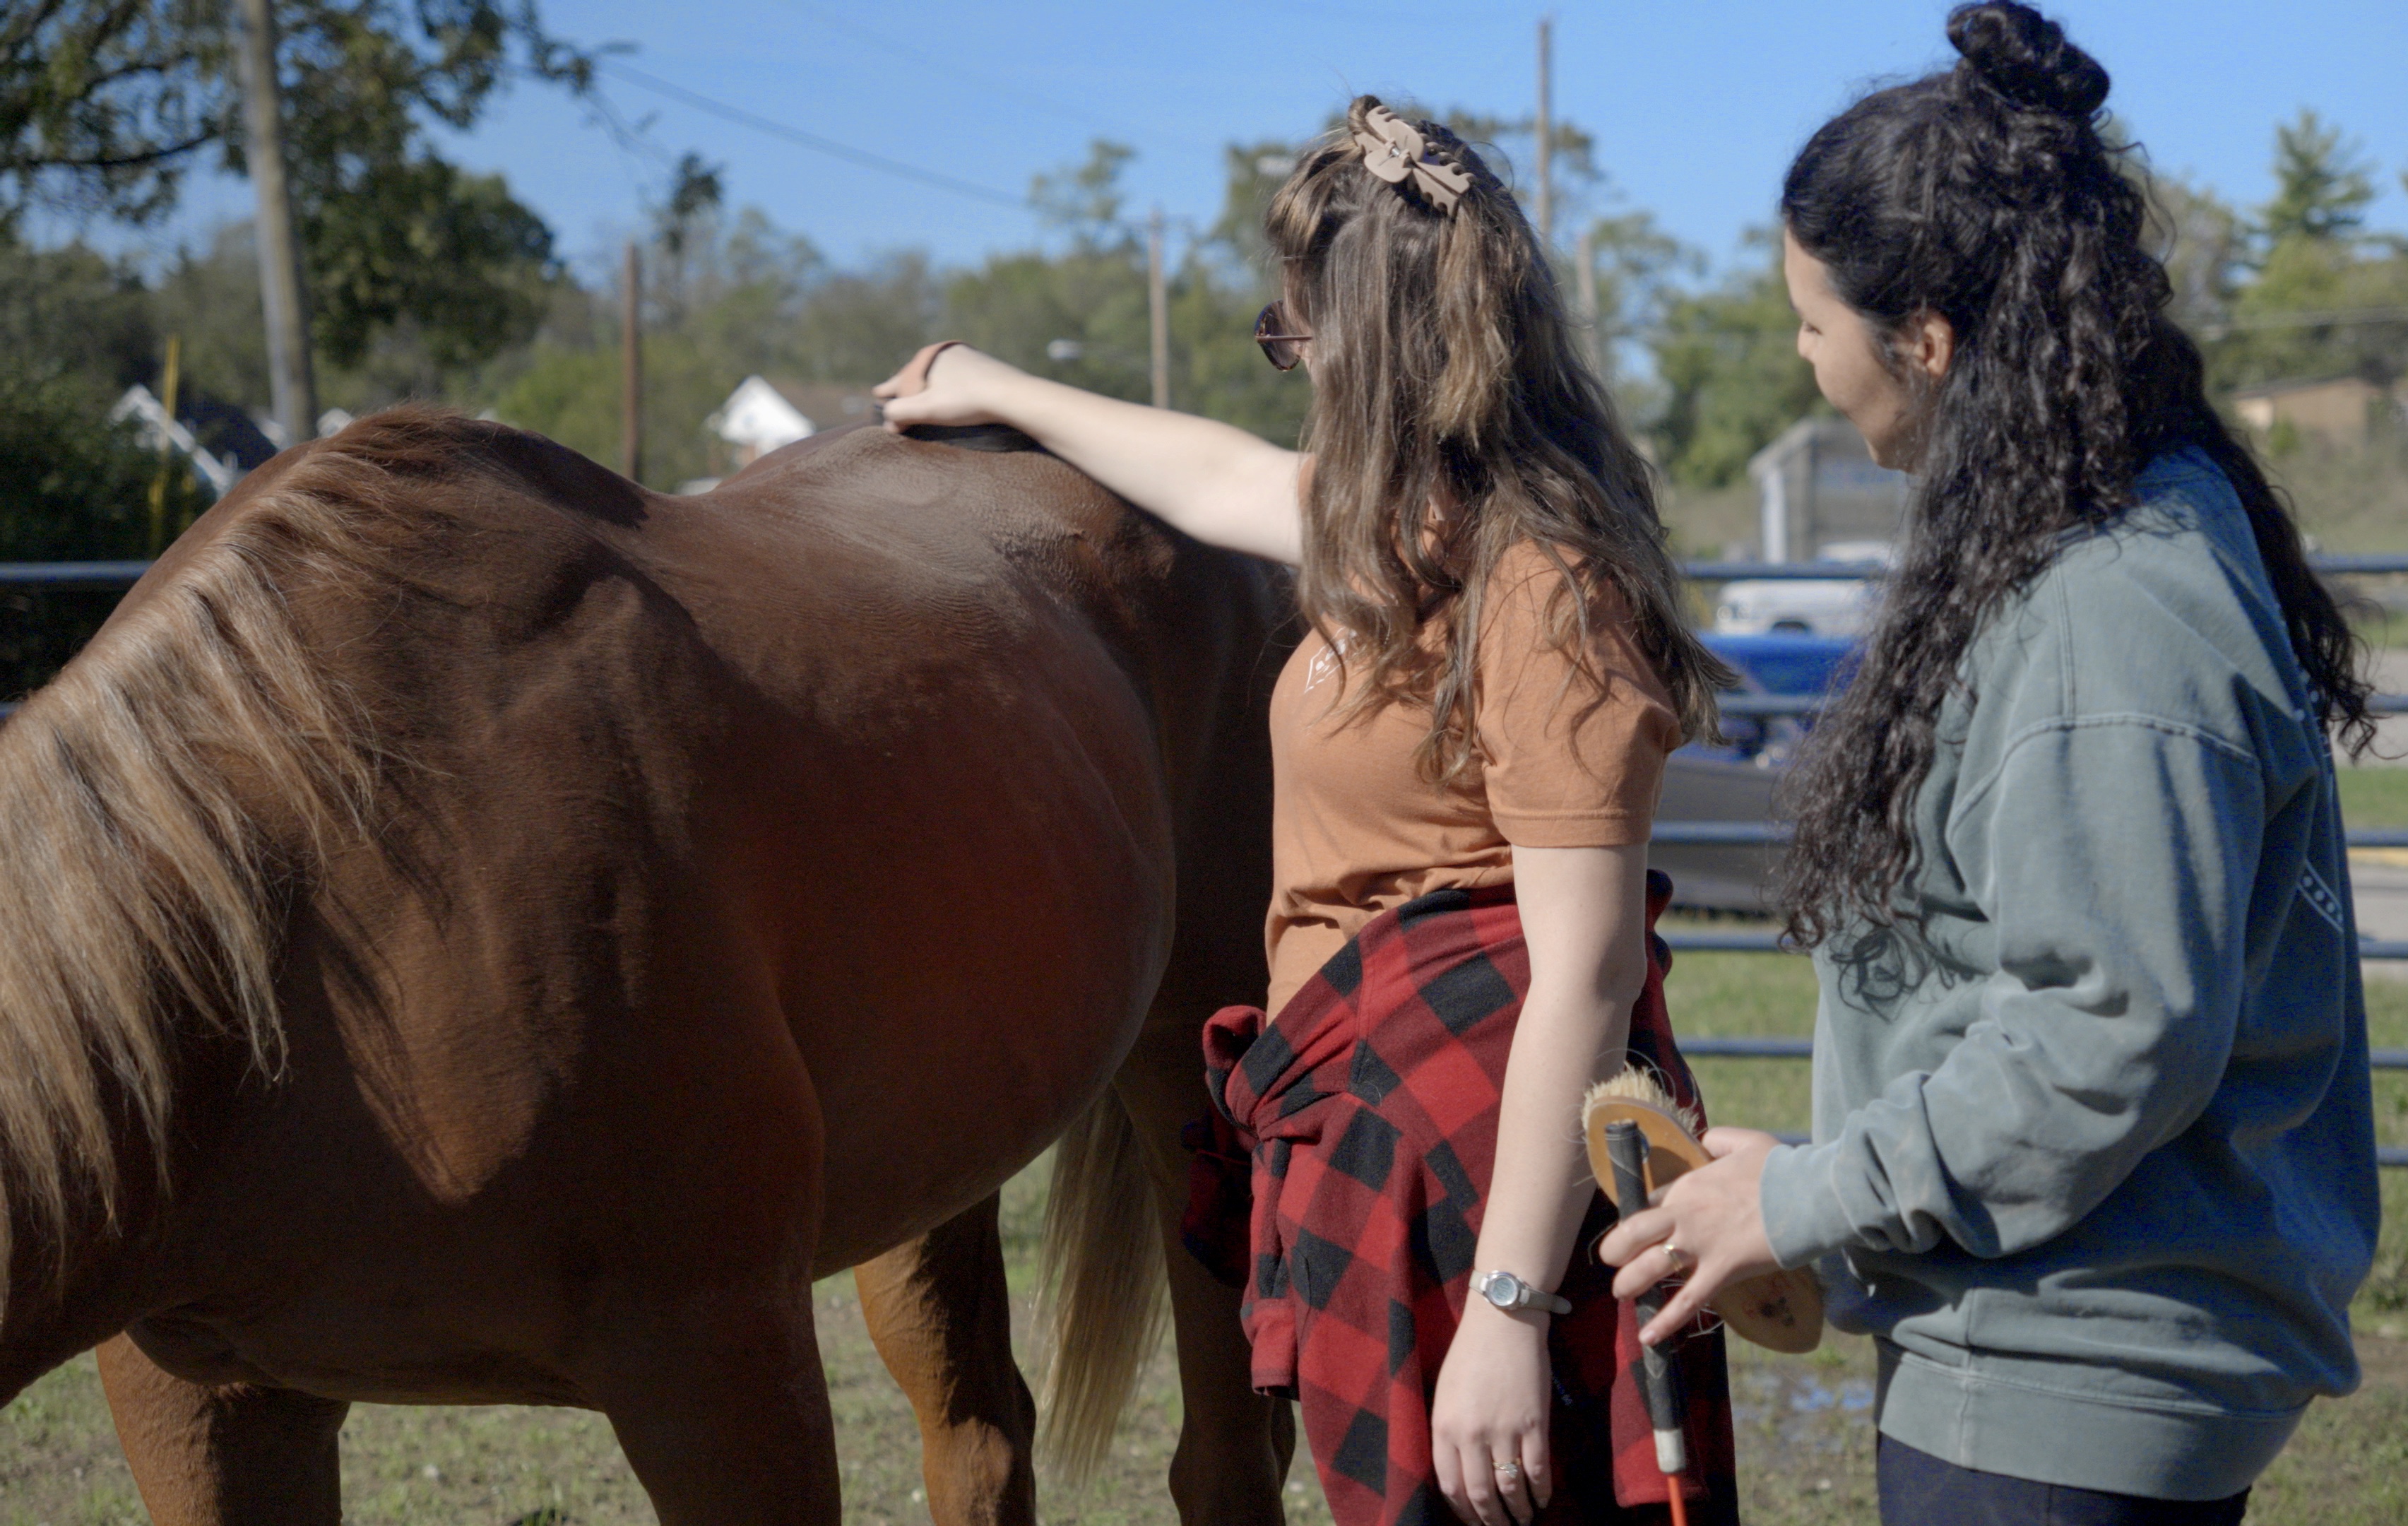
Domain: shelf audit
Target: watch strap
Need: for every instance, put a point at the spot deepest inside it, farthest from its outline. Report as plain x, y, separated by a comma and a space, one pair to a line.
1525, 1296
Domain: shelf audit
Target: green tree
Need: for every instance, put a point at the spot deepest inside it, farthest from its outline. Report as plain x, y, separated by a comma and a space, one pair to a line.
1511, 146
76, 331
209, 299
861, 326
1635, 273
1727, 362
1084, 200
2321, 185
686, 226
1251, 173
2318, 307
104, 105
724, 297
456, 256
1081, 316
2203, 243
107, 103
2322, 299
71, 313
73, 485
392, 233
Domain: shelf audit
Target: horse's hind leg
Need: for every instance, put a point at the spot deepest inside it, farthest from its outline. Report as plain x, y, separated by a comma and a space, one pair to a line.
229, 1456
941, 1315
1234, 1444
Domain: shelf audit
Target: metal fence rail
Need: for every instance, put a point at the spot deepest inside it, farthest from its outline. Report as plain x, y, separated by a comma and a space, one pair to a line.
2388, 564
1756, 941
124, 575
2394, 1157
1752, 834
1772, 706
1767, 833
71, 574
2381, 1059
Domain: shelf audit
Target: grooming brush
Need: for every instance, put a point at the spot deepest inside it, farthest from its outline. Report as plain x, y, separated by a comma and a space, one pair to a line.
1782, 1311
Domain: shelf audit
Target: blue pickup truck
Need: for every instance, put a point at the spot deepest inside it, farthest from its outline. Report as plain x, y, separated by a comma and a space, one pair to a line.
1735, 782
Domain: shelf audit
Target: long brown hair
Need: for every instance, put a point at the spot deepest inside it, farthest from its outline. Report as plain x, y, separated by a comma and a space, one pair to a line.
1453, 418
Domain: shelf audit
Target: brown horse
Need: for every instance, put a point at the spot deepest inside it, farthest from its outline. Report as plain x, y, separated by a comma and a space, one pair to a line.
479, 931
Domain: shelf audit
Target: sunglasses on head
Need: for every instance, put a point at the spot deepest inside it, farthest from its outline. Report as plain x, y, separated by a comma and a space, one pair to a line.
1274, 332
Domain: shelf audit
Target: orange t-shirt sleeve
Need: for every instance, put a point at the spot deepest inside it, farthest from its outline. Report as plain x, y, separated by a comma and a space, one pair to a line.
1564, 769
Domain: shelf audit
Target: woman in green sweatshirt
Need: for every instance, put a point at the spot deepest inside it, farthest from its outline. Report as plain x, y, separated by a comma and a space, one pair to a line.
2094, 1156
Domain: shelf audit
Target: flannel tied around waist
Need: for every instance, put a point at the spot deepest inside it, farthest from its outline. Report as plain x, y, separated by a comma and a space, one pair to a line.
1357, 1136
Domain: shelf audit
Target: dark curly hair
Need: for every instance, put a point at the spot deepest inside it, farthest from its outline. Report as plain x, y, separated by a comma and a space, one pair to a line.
1987, 196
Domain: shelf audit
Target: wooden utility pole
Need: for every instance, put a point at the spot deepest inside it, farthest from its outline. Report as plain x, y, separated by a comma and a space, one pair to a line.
1157, 301
1546, 132
294, 387
1584, 292
631, 367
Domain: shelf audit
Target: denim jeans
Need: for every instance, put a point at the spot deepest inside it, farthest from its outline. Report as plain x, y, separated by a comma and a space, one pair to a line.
1920, 1490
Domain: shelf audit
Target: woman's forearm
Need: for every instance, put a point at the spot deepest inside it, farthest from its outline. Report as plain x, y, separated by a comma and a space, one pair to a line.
1562, 1045
1584, 921
1217, 482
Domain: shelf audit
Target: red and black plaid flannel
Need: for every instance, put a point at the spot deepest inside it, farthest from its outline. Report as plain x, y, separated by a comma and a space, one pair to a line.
1362, 1126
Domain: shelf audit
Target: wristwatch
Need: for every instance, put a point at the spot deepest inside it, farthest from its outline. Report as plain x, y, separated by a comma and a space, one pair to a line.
1509, 1292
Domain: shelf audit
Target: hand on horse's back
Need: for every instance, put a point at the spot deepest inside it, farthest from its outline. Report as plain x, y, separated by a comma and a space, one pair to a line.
915, 396
1213, 480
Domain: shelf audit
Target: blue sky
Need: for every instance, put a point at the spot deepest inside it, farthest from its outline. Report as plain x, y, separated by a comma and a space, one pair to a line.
1695, 106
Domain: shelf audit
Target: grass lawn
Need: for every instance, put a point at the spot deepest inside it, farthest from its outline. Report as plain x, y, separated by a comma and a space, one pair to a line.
1804, 1434
2374, 797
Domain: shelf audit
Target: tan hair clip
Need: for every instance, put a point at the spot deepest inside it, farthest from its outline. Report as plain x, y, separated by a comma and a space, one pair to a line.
1395, 149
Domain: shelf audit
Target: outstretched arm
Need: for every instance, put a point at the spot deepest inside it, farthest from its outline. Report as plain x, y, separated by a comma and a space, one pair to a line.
1219, 483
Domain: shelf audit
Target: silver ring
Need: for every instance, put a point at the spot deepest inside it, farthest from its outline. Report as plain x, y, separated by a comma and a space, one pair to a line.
1674, 1253
1510, 1471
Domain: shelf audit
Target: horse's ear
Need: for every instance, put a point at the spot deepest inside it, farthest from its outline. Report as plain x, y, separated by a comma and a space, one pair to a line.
974, 437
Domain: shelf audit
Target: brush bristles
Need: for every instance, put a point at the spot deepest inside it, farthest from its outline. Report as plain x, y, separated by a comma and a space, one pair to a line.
1635, 1083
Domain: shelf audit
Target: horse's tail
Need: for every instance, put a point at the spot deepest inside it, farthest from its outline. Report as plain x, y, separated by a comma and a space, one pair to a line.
1102, 1275
158, 802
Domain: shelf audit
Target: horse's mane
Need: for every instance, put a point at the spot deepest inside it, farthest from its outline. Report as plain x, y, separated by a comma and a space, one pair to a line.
160, 802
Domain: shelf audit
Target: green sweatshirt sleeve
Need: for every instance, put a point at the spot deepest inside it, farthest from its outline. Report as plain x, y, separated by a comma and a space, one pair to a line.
2113, 855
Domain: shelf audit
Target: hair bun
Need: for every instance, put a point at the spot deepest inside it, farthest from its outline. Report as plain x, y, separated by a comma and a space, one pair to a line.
2023, 56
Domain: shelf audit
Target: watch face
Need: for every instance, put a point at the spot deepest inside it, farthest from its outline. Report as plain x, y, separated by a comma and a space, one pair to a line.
1504, 1289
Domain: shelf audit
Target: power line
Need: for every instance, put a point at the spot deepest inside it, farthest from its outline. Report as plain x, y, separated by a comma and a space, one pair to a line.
829, 18
811, 140
2338, 318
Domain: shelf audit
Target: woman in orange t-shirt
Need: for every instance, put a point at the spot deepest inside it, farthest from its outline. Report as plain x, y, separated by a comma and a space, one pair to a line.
1495, 670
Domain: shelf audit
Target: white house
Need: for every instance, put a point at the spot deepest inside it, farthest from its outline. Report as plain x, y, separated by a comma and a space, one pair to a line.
1817, 485
760, 416
160, 431
2336, 410
1819, 497
220, 441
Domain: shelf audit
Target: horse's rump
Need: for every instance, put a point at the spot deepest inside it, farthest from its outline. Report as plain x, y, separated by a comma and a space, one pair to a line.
562, 872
